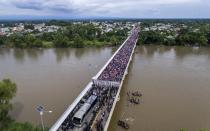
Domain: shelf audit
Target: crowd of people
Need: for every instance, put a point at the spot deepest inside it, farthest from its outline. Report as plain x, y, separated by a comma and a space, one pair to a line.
116, 68
106, 95
114, 72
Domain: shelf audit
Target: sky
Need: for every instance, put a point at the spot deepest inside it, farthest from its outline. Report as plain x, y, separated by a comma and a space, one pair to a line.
17, 9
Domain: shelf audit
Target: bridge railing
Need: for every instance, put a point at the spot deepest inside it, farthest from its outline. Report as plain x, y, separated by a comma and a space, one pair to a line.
62, 118
118, 93
102, 69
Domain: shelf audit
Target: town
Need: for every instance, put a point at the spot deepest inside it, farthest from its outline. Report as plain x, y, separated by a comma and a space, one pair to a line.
90, 33
23, 28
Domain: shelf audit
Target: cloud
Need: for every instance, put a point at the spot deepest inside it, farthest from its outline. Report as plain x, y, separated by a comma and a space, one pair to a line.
28, 5
118, 8
61, 8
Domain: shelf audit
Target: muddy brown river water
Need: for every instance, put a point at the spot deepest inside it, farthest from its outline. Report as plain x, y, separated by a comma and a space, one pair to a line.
175, 82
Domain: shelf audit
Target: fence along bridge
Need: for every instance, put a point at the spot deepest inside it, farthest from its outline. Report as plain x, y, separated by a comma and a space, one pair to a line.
93, 108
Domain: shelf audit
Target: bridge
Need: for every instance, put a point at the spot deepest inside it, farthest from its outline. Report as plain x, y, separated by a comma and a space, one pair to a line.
94, 107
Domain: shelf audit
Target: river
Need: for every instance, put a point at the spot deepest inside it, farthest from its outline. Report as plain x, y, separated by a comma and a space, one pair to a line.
175, 82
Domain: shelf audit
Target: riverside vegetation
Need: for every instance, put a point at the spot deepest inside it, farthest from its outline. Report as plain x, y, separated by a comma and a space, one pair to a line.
68, 35
185, 32
85, 34
165, 32
7, 92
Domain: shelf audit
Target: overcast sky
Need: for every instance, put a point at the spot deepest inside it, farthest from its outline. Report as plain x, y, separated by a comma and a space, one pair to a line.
105, 8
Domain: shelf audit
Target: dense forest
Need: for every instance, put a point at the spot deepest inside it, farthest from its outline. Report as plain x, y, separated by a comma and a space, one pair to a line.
70, 35
190, 33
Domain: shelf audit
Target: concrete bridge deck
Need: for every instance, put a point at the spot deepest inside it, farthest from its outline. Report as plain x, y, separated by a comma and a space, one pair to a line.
106, 85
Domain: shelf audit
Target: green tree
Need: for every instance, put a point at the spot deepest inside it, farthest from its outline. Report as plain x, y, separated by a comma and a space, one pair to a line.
37, 43
29, 40
151, 37
47, 36
203, 129
17, 40
114, 40
78, 42
2, 40
202, 40
7, 92
60, 40
16, 126
183, 129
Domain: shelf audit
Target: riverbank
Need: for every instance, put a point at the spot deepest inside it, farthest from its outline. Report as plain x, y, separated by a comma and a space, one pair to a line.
95, 44
174, 80
69, 35
51, 44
